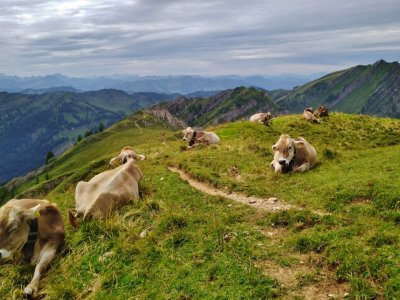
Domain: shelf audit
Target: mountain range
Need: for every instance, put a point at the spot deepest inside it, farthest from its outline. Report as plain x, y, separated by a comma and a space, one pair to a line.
160, 84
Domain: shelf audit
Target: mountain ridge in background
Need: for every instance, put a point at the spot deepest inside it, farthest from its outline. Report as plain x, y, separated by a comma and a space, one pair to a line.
367, 89
226, 106
182, 84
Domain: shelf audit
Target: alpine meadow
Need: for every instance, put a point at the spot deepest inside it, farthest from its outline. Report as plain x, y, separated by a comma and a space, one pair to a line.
341, 236
190, 150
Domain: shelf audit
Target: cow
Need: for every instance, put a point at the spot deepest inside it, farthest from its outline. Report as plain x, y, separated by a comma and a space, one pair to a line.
293, 155
308, 114
262, 118
35, 228
123, 156
321, 111
110, 189
196, 137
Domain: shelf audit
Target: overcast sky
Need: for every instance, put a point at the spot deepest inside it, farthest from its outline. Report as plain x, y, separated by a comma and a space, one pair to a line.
159, 37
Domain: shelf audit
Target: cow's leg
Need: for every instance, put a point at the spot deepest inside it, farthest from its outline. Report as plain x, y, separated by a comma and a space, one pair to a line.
303, 168
45, 256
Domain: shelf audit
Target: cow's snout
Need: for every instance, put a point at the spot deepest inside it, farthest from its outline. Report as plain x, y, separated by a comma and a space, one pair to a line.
184, 139
282, 161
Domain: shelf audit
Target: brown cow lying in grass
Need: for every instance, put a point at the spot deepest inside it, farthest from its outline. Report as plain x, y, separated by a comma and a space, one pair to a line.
293, 155
321, 111
196, 137
35, 228
308, 114
263, 118
110, 189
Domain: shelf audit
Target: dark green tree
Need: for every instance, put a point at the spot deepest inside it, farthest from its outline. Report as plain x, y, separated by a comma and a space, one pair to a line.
101, 127
49, 156
88, 133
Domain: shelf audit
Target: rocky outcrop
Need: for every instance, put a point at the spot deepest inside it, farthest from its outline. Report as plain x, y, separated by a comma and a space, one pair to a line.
165, 116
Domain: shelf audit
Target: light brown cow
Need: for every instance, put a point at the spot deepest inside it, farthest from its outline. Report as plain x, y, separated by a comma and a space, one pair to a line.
34, 227
263, 118
308, 114
293, 155
110, 189
125, 153
321, 111
196, 137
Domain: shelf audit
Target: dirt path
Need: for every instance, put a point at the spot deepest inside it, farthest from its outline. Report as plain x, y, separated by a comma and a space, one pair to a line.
270, 204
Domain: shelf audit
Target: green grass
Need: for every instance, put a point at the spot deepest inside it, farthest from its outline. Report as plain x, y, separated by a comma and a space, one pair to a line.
204, 247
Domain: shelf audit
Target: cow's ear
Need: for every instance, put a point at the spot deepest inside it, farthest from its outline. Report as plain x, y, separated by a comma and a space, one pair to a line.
183, 131
31, 213
15, 214
114, 161
141, 157
299, 144
274, 147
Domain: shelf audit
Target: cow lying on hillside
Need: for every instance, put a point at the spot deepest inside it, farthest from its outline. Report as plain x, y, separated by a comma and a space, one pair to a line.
196, 137
35, 228
263, 118
321, 111
293, 155
110, 189
308, 114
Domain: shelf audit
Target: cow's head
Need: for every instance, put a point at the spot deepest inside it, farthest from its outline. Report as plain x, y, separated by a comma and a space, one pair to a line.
125, 154
187, 133
14, 228
284, 153
266, 118
321, 111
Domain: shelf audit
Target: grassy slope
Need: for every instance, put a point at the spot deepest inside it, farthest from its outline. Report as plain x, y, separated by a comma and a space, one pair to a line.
361, 89
200, 246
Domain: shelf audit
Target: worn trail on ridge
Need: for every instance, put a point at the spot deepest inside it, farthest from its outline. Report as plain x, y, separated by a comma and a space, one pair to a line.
271, 204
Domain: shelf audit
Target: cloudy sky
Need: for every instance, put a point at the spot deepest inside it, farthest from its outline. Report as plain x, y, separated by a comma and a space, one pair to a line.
159, 37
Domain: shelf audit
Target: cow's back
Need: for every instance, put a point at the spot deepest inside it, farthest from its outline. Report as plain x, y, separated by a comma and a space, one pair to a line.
212, 137
256, 117
108, 190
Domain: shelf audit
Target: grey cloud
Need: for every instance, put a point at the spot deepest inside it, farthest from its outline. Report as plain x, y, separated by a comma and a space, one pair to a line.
205, 37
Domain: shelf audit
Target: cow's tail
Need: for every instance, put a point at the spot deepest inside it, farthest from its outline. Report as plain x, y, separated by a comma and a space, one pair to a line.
72, 219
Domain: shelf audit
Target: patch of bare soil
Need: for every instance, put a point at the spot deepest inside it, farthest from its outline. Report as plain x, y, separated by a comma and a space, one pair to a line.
307, 277
306, 281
